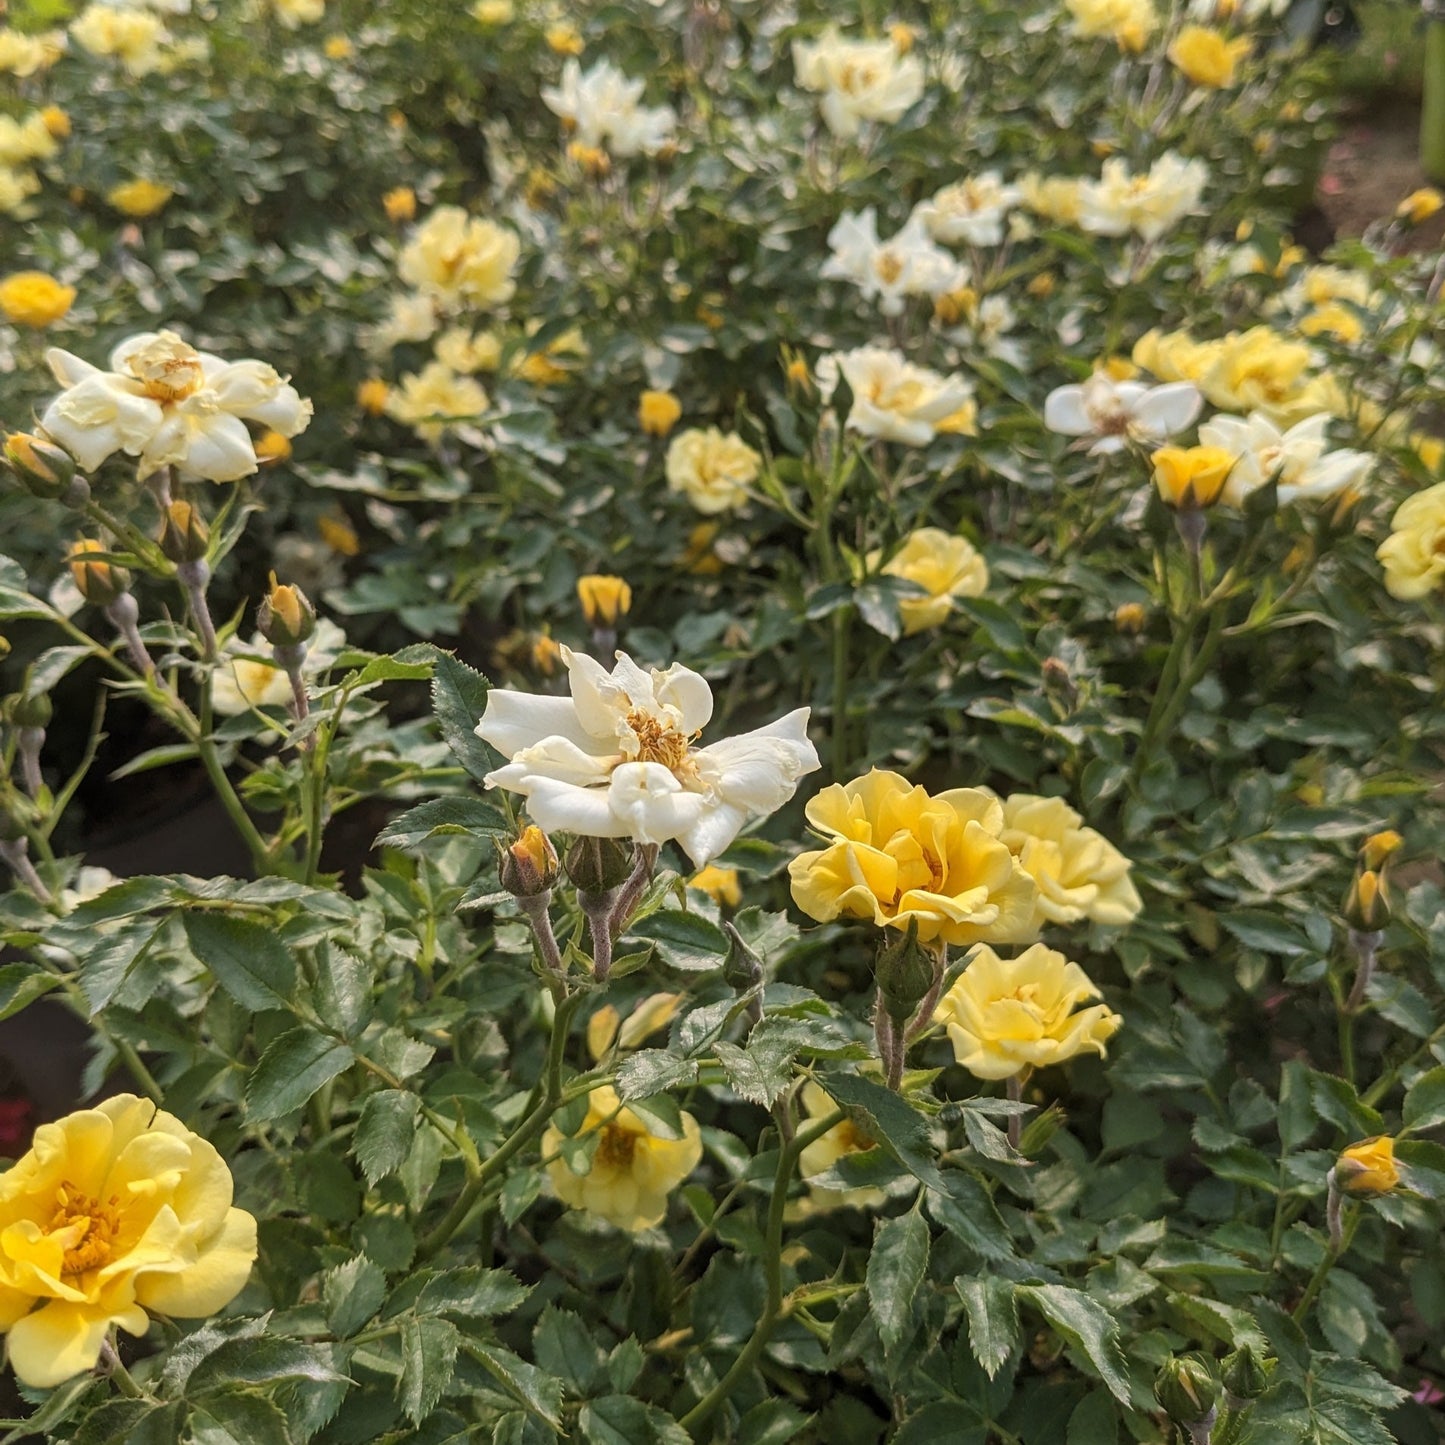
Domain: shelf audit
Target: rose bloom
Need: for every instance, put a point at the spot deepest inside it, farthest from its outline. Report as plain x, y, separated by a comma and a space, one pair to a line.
1077, 871
1117, 412
633, 1170
22, 55
720, 884
168, 404
894, 855
1055, 198
1258, 370
1191, 477
16, 187
599, 110
1005, 1016
1129, 23
616, 759
658, 412
460, 260
944, 565
1299, 459
824, 1152
907, 264
970, 210
1414, 553
134, 37
115, 1210
1420, 205
895, 400
711, 468
1368, 1167
603, 598
31, 298
858, 79
467, 351
1206, 57
435, 399
295, 13
1149, 204
139, 198
1175, 355
399, 203
27, 140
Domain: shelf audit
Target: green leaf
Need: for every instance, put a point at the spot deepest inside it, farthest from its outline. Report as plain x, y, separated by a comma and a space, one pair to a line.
993, 1319
772, 1422
539, 1392
943, 1423
1267, 932
384, 1132
428, 1358
1425, 1101
247, 960
895, 1273
621, 1420
291, 1070
685, 941
352, 1293
21, 984
761, 1070
1086, 1325
650, 1071
343, 989
562, 1344
459, 698
443, 816
1095, 1421
262, 1360
236, 1419
1336, 1100
473, 1293
128, 1422
891, 1120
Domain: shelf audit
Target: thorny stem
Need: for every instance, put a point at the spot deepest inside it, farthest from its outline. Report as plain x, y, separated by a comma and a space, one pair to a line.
110, 1358
235, 809
1332, 1254
193, 576
1365, 945
646, 860
537, 907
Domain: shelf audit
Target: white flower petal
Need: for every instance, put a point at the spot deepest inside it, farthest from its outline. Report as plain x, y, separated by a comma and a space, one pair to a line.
516, 720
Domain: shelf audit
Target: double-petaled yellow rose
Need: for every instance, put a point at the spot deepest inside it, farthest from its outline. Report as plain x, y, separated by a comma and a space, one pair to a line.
1206, 57
1005, 1016
1414, 553
31, 298
115, 1210
460, 260
631, 1172
712, 469
1368, 1167
944, 565
399, 203
1190, 477
897, 855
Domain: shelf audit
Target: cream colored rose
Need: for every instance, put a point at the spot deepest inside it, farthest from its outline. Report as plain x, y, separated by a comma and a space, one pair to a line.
944, 565
461, 260
1414, 553
711, 468
435, 399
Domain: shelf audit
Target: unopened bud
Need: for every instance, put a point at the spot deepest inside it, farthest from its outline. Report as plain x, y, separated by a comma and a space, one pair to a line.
1186, 1389
28, 709
1368, 1167
905, 971
1035, 1135
1367, 904
529, 865
285, 617
184, 535
1378, 847
597, 865
99, 581
43, 469
604, 599
742, 969
1130, 617
1246, 1376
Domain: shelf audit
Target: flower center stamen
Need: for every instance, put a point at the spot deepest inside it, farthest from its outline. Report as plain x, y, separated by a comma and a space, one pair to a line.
616, 1147
657, 742
101, 1223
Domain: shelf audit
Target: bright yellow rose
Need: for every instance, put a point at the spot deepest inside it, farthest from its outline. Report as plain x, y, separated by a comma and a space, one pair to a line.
494, 12
944, 565
720, 884
564, 39
399, 203
1206, 57
658, 412
1414, 552
1192, 476
712, 469
31, 298
603, 599
1129, 23
1335, 319
139, 197
371, 395
825, 1151
653, 1013
1368, 1167
1077, 871
1005, 1016
1420, 205
460, 259
632, 1171
1258, 370
115, 1210
896, 855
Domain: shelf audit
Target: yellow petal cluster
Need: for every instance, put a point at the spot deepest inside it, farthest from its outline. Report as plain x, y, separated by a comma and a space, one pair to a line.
1368, 1167
1007, 1015
461, 260
434, 399
720, 884
399, 203
132, 36
115, 1210
711, 468
603, 598
896, 854
139, 197
22, 55
1078, 873
1055, 198
1414, 553
825, 1151
632, 1171
1128, 23
1420, 205
944, 565
658, 412
31, 298
1207, 57
27, 140
1191, 476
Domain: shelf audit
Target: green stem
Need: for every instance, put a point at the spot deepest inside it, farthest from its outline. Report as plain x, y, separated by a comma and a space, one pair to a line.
841, 629
1326, 1264
235, 810
1432, 115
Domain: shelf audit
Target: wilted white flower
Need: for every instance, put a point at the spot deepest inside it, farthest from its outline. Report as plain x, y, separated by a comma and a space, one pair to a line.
895, 400
599, 107
1149, 204
1299, 457
617, 759
1116, 412
858, 79
907, 264
971, 210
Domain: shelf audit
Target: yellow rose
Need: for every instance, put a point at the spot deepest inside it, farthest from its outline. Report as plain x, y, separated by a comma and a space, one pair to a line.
466, 351
339, 535
1378, 847
632, 1171
460, 259
272, 447
338, 47
21, 55
31, 298
435, 399
563, 40
603, 598
944, 565
1333, 319
720, 884
134, 37
371, 395
1414, 553
825, 1151
1191, 476
56, 121
494, 12
1258, 370
1368, 1167
1055, 198
115, 1210
1206, 57
29, 140
658, 412
399, 203
139, 197
1420, 205
1174, 355
711, 469
1077, 871
1005, 1016
295, 13
1129, 23
895, 854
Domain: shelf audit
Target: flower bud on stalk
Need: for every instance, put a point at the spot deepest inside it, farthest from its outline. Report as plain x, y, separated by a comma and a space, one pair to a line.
528, 869
743, 972
286, 619
42, 468
14, 852
184, 539
1188, 1393
605, 601
597, 865
29, 713
1245, 1377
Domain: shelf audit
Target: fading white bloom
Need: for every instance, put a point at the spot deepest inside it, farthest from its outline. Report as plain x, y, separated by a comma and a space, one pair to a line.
1116, 412
907, 264
168, 404
617, 759
895, 400
1300, 457
412, 317
599, 107
971, 210
858, 79
1149, 204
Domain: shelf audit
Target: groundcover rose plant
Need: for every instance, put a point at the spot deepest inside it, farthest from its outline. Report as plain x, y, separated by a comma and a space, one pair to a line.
819, 646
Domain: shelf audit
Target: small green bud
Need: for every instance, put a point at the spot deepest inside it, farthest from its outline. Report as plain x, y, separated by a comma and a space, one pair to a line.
1037, 1132
905, 971
1246, 1376
285, 617
28, 710
43, 469
184, 535
528, 866
742, 970
1186, 1389
598, 865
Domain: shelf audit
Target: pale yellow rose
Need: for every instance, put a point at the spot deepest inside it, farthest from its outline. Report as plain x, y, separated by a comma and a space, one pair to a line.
134, 37
461, 260
1206, 57
825, 1151
1077, 871
1055, 198
16, 187
1128, 23
712, 469
115, 1211
1005, 1016
632, 1171
1258, 370
295, 13
896, 855
1414, 552
22, 55
27, 140
944, 565
720, 884
435, 399
1175, 355
1368, 1167
31, 298
466, 351
241, 683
